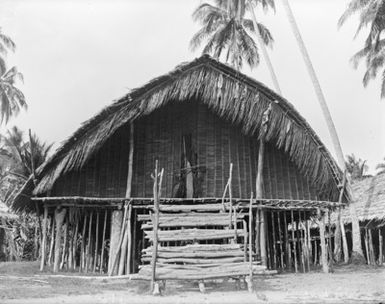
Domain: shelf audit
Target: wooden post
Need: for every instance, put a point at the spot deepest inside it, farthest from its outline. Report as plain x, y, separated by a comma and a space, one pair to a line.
301, 240
287, 243
52, 241
123, 251
116, 227
280, 238
59, 218
294, 242
74, 241
250, 278
82, 244
380, 245
259, 195
371, 248
274, 240
129, 244
324, 258
230, 194
344, 242
44, 241
154, 284
367, 246
97, 241
257, 234
88, 249
119, 247
65, 227
308, 243
103, 242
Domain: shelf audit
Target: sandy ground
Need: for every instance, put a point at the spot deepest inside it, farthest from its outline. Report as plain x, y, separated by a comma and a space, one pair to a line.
23, 283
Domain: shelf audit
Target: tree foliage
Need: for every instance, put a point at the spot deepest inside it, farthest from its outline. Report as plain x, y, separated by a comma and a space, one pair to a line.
356, 167
12, 100
372, 16
227, 32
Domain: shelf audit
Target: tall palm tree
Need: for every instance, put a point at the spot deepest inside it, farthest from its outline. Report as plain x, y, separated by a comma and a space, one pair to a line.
357, 247
372, 15
381, 167
12, 99
227, 32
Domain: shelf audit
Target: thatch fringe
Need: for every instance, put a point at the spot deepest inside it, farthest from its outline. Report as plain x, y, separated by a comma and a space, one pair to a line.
230, 94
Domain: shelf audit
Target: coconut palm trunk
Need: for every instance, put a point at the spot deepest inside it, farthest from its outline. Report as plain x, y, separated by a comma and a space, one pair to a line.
356, 235
264, 51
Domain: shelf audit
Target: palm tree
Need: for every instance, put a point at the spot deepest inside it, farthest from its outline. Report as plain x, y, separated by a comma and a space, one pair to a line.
22, 155
12, 99
356, 167
357, 248
381, 167
226, 29
372, 14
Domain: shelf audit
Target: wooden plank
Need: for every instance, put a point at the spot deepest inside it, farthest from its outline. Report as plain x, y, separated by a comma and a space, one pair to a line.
294, 242
201, 254
196, 247
198, 261
193, 234
103, 242
167, 216
324, 258
190, 222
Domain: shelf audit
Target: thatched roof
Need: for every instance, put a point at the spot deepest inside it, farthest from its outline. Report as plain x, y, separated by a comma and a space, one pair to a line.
228, 93
369, 199
6, 213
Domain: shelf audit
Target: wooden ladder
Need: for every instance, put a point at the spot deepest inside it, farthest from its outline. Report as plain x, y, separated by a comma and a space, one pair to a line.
198, 246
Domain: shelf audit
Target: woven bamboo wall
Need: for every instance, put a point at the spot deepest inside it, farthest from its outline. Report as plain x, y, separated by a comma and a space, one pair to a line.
215, 143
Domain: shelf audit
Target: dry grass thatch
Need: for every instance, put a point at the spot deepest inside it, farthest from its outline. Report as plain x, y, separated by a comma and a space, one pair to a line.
369, 199
228, 93
6, 213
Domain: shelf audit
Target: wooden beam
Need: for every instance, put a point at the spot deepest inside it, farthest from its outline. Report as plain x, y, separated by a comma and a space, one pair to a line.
259, 195
59, 218
380, 245
103, 241
324, 254
44, 241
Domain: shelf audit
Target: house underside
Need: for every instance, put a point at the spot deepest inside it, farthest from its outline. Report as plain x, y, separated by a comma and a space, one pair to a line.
97, 224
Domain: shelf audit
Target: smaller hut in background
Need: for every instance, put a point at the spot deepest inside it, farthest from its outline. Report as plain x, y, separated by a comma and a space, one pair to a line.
369, 199
6, 226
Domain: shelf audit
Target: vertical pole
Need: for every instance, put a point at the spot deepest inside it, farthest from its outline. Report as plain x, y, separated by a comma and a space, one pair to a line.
259, 195
74, 241
294, 242
154, 284
59, 218
52, 241
129, 245
250, 278
280, 238
97, 241
301, 240
44, 242
287, 242
367, 246
324, 257
344, 242
88, 249
103, 242
380, 245
231, 193
274, 241
371, 249
82, 244
257, 234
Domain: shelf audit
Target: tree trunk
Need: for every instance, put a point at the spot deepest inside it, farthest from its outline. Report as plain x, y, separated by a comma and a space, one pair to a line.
264, 51
357, 248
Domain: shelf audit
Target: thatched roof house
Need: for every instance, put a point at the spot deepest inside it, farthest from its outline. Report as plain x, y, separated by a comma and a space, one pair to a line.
229, 94
198, 121
369, 199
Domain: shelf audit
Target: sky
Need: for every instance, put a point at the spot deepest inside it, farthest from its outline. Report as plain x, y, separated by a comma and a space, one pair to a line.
79, 56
